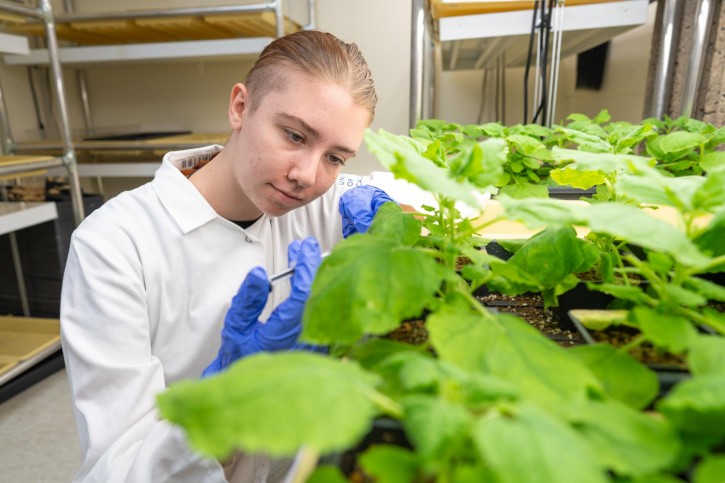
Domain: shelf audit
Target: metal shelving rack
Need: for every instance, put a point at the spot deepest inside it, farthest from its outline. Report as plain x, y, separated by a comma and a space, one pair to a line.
164, 49
18, 215
464, 35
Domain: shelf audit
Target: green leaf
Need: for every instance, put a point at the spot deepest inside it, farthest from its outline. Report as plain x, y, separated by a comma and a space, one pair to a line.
350, 298
530, 445
649, 186
637, 390
390, 221
713, 319
552, 254
603, 162
586, 142
525, 190
710, 239
669, 331
634, 225
632, 293
578, 179
327, 474
375, 350
678, 295
237, 409
407, 162
390, 464
710, 470
627, 441
712, 160
510, 349
495, 155
674, 145
523, 144
707, 356
616, 219
409, 372
697, 405
711, 195
434, 425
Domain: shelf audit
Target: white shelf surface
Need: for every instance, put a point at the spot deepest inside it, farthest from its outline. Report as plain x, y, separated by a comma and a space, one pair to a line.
472, 41
16, 215
14, 44
185, 50
26, 364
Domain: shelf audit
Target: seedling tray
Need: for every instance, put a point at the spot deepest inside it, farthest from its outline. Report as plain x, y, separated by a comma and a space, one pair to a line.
26, 340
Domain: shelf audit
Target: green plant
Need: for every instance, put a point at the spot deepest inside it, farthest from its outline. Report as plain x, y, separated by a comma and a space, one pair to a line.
487, 397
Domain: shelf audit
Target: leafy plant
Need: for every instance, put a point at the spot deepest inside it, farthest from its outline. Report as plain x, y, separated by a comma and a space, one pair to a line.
488, 397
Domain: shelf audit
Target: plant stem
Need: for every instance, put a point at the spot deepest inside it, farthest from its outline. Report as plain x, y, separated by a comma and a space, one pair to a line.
388, 405
638, 340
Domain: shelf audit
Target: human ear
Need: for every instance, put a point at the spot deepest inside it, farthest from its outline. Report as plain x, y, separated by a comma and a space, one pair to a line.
238, 105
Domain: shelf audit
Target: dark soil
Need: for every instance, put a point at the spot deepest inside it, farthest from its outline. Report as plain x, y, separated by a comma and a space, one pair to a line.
645, 353
412, 331
529, 307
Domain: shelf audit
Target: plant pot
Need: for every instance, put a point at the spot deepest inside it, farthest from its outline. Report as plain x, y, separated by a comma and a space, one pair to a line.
670, 369
580, 297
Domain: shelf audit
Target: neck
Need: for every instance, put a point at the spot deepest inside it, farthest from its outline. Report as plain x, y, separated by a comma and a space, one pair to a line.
217, 184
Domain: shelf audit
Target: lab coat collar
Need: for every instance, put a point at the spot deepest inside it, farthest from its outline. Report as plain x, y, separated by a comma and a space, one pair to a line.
181, 198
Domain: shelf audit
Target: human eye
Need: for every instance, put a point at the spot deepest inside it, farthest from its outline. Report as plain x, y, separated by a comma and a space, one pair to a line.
294, 136
335, 159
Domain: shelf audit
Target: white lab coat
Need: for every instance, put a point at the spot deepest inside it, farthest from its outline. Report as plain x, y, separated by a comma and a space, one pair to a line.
149, 278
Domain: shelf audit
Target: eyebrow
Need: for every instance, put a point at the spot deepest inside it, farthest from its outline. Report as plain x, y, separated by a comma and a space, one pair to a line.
312, 131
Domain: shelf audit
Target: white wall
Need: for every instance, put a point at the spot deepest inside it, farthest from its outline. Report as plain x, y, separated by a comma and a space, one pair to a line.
194, 95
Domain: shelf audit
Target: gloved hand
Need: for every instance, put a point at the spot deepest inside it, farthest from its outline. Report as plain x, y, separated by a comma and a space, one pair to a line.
244, 334
358, 207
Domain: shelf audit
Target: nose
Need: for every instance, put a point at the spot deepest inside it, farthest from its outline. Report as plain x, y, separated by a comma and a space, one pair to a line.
304, 171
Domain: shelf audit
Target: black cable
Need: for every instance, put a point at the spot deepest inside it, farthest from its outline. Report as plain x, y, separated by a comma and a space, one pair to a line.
528, 65
34, 95
542, 60
544, 41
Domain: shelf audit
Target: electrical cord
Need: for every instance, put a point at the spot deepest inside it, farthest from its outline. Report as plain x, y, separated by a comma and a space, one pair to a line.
527, 69
34, 95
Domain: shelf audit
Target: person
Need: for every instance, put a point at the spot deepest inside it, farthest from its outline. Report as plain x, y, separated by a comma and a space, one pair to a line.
169, 281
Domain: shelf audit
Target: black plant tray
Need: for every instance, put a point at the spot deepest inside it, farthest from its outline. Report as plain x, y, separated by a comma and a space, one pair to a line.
580, 297
569, 193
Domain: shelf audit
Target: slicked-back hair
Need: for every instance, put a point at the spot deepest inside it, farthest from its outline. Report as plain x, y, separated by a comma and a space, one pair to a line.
319, 54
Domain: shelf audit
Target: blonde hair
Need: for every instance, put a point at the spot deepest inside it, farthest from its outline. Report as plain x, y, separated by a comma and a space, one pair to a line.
319, 54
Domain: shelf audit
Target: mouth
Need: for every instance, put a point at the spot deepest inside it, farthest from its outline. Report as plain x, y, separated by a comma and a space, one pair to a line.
286, 196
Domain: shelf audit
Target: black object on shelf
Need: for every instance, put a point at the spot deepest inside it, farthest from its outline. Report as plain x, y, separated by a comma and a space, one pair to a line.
136, 136
38, 372
43, 252
569, 193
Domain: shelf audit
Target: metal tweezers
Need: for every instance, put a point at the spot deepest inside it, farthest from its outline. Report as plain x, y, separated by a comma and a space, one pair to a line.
285, 274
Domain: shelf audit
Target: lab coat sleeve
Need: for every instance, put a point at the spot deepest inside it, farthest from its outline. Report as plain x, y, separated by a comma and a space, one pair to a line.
113, 374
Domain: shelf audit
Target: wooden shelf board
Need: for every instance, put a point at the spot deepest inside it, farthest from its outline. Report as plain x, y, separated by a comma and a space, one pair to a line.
25, 341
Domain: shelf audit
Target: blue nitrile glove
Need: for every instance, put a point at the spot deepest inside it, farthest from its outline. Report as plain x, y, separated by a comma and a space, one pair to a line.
358, 207
244, 334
